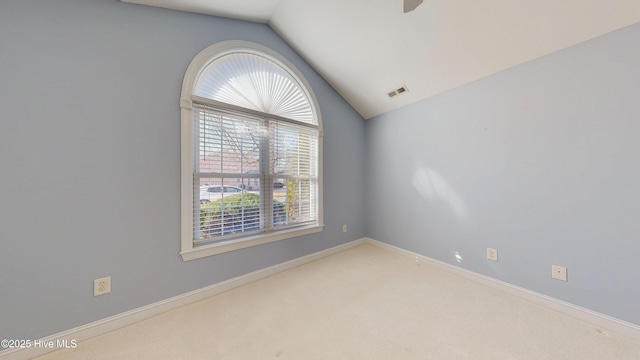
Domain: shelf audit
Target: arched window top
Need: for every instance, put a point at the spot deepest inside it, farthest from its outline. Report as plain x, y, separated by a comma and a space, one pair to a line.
254, 77
254, 82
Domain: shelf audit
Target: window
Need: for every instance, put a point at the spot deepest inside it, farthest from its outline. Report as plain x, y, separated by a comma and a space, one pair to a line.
251, 151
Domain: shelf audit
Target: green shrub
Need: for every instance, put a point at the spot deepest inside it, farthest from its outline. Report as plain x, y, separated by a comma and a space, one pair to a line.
238, 212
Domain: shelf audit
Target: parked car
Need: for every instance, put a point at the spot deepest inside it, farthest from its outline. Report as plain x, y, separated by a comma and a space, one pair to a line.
278, 185
216, 192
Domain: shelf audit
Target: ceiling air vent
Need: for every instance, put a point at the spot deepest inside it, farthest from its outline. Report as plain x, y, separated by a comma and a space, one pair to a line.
397, 92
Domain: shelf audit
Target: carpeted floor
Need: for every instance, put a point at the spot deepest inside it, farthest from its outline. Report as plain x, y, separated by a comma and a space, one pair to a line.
363, 303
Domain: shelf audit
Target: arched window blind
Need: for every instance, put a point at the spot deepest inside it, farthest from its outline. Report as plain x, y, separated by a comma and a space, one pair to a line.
254, 82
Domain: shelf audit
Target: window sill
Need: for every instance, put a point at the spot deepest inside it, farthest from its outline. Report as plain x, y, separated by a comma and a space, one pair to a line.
235, 244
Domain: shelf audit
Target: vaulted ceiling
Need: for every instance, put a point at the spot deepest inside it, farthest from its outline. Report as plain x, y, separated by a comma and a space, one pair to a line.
367, 48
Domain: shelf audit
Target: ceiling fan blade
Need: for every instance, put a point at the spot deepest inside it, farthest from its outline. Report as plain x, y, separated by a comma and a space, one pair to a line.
410, 5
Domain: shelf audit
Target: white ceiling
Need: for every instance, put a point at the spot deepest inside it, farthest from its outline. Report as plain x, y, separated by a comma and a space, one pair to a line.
367, 48
249, 10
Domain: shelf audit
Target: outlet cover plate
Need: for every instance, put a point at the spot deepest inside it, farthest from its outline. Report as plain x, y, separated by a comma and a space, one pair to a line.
492, 254
559, 272
102, 286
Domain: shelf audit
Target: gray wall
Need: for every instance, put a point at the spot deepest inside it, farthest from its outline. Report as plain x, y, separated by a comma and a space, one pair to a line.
540, 161
90, 149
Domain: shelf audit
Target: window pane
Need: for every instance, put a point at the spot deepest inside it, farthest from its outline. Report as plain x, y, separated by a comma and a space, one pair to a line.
224, 209
226, 143
298, 201
293, 150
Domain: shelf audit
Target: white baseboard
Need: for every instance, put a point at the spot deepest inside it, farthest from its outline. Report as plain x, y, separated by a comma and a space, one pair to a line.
118, 321
604, 321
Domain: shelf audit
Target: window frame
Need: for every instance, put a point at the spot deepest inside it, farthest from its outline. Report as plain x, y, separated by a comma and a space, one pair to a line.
189, 251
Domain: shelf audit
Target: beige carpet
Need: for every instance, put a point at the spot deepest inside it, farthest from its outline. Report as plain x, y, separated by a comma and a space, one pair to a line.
364, 303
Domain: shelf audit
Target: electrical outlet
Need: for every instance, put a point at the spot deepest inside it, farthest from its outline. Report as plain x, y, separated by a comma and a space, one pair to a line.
559, 272
102, 286
492, 254
344, 228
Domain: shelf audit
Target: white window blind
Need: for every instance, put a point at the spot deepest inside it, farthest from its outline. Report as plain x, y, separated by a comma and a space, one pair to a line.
252, 174
294, 163
229, 159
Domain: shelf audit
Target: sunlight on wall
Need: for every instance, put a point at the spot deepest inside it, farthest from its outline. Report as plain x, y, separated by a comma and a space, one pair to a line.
432, 186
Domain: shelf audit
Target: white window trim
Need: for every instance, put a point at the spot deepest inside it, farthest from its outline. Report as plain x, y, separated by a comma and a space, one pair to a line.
206, 56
